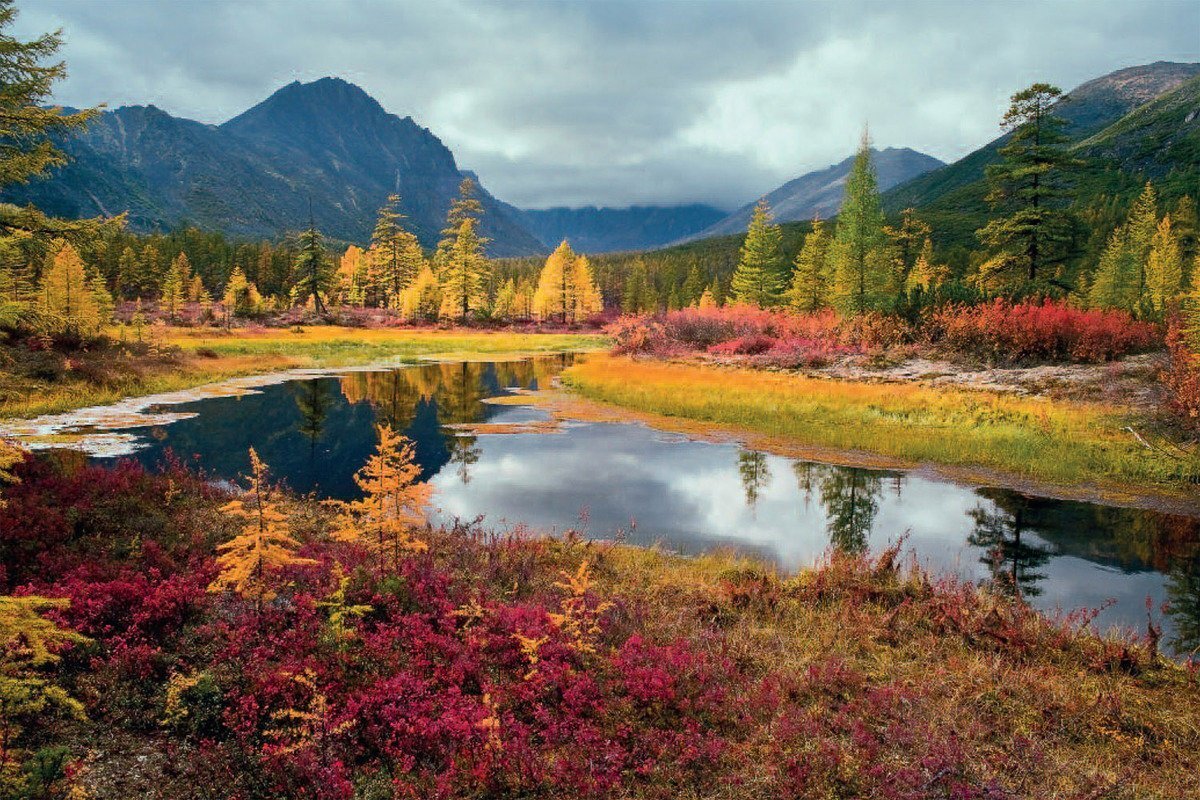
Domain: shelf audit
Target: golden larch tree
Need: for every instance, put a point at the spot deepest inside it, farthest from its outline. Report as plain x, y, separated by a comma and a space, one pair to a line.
250, 561
393, 501
73, 301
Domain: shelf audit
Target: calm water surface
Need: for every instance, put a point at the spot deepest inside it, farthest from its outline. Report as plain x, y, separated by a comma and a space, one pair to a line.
693, 496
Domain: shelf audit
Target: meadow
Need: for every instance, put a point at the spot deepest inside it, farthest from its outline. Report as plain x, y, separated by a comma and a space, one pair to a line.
1077, 447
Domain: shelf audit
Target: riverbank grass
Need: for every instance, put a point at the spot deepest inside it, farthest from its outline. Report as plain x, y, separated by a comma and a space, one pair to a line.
171, 359
1057, 442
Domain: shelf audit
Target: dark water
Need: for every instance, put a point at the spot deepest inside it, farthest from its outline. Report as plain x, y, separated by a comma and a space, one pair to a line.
693, 496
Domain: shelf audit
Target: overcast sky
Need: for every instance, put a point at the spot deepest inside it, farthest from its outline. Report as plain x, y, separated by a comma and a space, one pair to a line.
614, 103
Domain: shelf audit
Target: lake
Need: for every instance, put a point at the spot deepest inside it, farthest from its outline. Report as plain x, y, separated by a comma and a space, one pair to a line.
646, 486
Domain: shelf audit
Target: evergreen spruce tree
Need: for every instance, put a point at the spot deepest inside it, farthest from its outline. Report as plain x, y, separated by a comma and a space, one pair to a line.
315, 273
758, 279
810, 273
1031, 235
693, 286
858, 254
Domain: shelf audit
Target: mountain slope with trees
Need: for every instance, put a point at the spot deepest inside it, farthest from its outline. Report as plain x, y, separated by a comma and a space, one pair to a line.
952, 198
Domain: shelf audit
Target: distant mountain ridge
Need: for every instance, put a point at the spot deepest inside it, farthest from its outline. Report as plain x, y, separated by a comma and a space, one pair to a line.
605, 230
254, 176
820, 192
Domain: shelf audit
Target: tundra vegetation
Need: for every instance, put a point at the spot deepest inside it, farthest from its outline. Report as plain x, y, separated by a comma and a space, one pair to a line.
161, 634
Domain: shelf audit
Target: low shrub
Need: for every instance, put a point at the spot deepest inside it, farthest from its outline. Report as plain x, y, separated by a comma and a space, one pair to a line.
1050, 330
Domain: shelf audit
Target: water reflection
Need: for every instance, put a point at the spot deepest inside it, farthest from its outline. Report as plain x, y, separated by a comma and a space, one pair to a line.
691, 495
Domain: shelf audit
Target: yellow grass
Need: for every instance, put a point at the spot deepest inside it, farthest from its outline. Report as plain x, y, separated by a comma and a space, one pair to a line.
1064, 443
194, 356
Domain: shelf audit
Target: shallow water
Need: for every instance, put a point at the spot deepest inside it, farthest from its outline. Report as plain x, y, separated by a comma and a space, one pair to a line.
629, 480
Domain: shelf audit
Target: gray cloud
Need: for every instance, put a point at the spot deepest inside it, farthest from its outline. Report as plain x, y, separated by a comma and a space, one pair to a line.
618, 102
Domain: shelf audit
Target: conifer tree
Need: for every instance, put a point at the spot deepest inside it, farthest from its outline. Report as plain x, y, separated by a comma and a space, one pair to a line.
810, 273
315, 273
907, 240
504, 306
393, 501
926, 274
422, 300
707, 300
1032, 234
465, 274
555, 291
74, 303
128, 274
1191, 310
30, 125
1115, 283
29, 645
758, 279
638, 295
252, 559
1164, 270
353, 276
693, 286
241, 296
1187, 226
392, 262
566, 289
858, 254
462, 269
175, 283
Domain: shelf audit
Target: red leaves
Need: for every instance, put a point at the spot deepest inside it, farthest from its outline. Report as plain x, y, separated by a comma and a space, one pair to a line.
1046, 331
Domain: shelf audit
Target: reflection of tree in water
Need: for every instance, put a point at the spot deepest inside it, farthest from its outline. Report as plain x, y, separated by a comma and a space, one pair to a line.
1183, 598
314, 402
755, 474
851, 500
1012, 560
453, 392
464, 453
849, 496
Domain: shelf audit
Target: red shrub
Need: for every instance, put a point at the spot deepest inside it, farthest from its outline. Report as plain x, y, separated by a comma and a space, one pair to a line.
1030, 331
1182, 379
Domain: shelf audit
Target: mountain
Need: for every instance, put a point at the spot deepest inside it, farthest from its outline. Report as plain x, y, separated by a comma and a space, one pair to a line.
821, 192
952, 198
607, 230
1158, 139
254, 176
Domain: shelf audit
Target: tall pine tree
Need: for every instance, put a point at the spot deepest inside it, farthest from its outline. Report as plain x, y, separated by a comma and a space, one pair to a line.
858, 255
1031, 236
758, 279
810, 274
316, 275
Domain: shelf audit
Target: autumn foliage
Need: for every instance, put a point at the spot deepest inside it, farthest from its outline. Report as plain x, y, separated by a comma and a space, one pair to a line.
998, 331
485, 665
